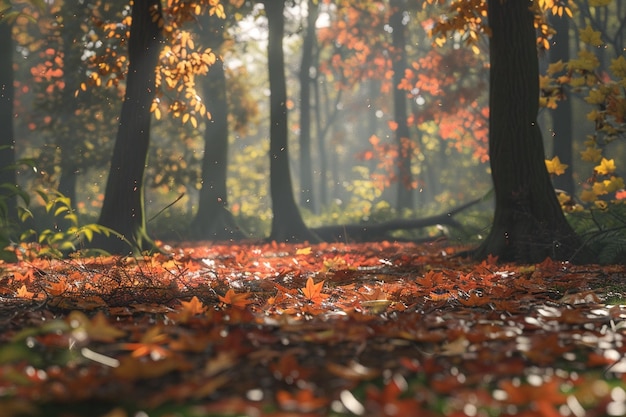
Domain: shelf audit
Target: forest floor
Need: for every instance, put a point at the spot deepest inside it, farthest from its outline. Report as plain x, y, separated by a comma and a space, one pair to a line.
331, 329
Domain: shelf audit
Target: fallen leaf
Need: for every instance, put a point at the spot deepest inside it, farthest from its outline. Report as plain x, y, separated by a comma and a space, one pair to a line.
236, 300
151, 344
135, 368
97, 329
304, 251
303, 401
22, 292
313, 291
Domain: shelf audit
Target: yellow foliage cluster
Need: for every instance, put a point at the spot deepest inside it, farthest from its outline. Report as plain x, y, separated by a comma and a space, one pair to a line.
468, 18
181, 62
181, 59
604, 92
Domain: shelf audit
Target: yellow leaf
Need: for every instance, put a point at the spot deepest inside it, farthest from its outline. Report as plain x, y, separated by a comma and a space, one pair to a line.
591, 154
568, 12
602, 205
590, 36
554, 166
304, 251
556, 67
613, 184
595, 97
618, 67
22, 292
607, 166
577, 81
587, 196
598, 188
594, 115
586, 61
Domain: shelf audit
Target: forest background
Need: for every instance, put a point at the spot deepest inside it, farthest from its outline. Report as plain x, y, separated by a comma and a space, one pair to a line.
388, 133
358, 154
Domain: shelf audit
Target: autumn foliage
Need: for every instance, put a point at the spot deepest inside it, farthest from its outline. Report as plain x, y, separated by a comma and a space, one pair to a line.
313, 330
329, 329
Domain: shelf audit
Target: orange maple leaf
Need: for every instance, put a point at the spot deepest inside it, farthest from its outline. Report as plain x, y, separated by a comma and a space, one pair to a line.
193, 306
313, 291
234, 299
26, 276
187, 310
58, 288
22, 292
150, 345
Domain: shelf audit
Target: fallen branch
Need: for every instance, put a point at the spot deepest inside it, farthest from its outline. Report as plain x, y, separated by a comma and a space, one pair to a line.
379, 231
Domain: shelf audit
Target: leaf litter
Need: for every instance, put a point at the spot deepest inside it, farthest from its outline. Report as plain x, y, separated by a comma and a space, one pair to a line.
329, 329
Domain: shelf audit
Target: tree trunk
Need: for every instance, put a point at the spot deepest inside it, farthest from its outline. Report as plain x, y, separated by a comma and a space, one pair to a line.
403, 140
8, 200
321, 145
306, 166
213, 220
123, 207
562, 115
68, 139
528, 224
287, 223
69, 177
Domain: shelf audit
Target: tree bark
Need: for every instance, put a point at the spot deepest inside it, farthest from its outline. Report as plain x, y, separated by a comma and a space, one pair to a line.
562, 115
287, 223
403, 140
68, 139
528, 224
123, 206
214, 221
8, 196
306, 166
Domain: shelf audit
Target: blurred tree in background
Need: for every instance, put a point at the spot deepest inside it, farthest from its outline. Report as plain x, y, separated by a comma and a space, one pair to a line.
393, 105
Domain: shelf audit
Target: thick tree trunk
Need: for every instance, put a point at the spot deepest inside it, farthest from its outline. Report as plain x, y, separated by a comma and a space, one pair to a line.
306, 166
403, 141
528, 224
287, 223
562, 115
68, 139
8, 200
123, 207
213, 220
